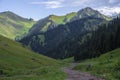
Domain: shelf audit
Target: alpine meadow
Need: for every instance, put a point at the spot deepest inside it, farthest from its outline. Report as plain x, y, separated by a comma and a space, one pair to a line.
60, 40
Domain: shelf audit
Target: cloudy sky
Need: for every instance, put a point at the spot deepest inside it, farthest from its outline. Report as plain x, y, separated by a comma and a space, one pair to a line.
38, 9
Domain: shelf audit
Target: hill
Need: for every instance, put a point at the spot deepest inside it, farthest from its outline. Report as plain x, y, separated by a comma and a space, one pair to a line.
19, 62
56, 42
53, 21
12, 25
106, 66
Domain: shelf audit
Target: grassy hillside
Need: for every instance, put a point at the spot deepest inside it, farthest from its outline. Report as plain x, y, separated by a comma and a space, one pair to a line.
19, 63
62, 31
62, 19
64, 38
106, 66
12, 25
51, 22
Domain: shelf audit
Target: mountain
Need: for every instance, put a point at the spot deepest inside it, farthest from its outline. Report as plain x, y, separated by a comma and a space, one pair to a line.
55, 41
89, 12
105, 39
12, 25
17, 62
50, 22
53, 21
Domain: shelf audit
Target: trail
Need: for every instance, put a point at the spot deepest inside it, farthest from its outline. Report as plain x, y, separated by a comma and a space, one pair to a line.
76, 75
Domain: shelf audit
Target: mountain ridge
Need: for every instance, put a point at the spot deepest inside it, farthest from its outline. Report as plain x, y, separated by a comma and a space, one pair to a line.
13, 25
42, 41
52, 21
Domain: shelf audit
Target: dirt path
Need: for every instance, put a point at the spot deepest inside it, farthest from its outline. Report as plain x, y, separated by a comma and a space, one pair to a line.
76, 75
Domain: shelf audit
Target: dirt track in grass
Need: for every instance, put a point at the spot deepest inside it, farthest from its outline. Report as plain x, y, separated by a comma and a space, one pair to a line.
77, 75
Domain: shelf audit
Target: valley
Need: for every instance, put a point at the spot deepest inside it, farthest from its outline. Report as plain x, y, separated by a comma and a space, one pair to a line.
82, 45
85, 21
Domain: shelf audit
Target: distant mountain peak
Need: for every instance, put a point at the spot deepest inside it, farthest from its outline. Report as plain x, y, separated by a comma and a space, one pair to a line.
88, 8
8, 12
14, 16
89, 12
52, 15
12, 25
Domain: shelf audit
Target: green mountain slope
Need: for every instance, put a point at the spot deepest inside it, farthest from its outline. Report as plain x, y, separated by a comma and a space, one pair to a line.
62, 37
57, 42
105, 39
12, 25
19, 63
53, 21
106, 66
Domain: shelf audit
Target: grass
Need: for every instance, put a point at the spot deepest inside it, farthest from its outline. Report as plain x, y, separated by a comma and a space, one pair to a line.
63, 19
12, 25
70, 16
57, 19
44, 29
106, 66
17, 62
66, 62
53, 20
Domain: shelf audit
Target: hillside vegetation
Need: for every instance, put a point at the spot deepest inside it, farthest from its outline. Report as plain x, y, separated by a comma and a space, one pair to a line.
52, 21
106, 66
59, 41
103, 40
17, 62
12, 25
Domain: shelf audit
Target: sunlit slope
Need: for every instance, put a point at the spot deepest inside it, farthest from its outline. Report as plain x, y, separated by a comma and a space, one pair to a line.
18, 62
52, 21
106, 66
12, 25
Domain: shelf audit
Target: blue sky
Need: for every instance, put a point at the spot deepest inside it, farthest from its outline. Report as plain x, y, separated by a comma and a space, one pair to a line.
38, 9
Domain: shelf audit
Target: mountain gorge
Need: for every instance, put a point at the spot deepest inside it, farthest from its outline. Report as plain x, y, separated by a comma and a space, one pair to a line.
48, 39
12, 25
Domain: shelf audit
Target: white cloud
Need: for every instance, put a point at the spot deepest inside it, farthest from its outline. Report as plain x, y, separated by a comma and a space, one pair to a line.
109, 11
63, 3
77, 3
107, 7
50, 3
113, 1
80, 2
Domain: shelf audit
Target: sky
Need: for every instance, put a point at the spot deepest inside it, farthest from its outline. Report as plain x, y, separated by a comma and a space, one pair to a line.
38, 9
